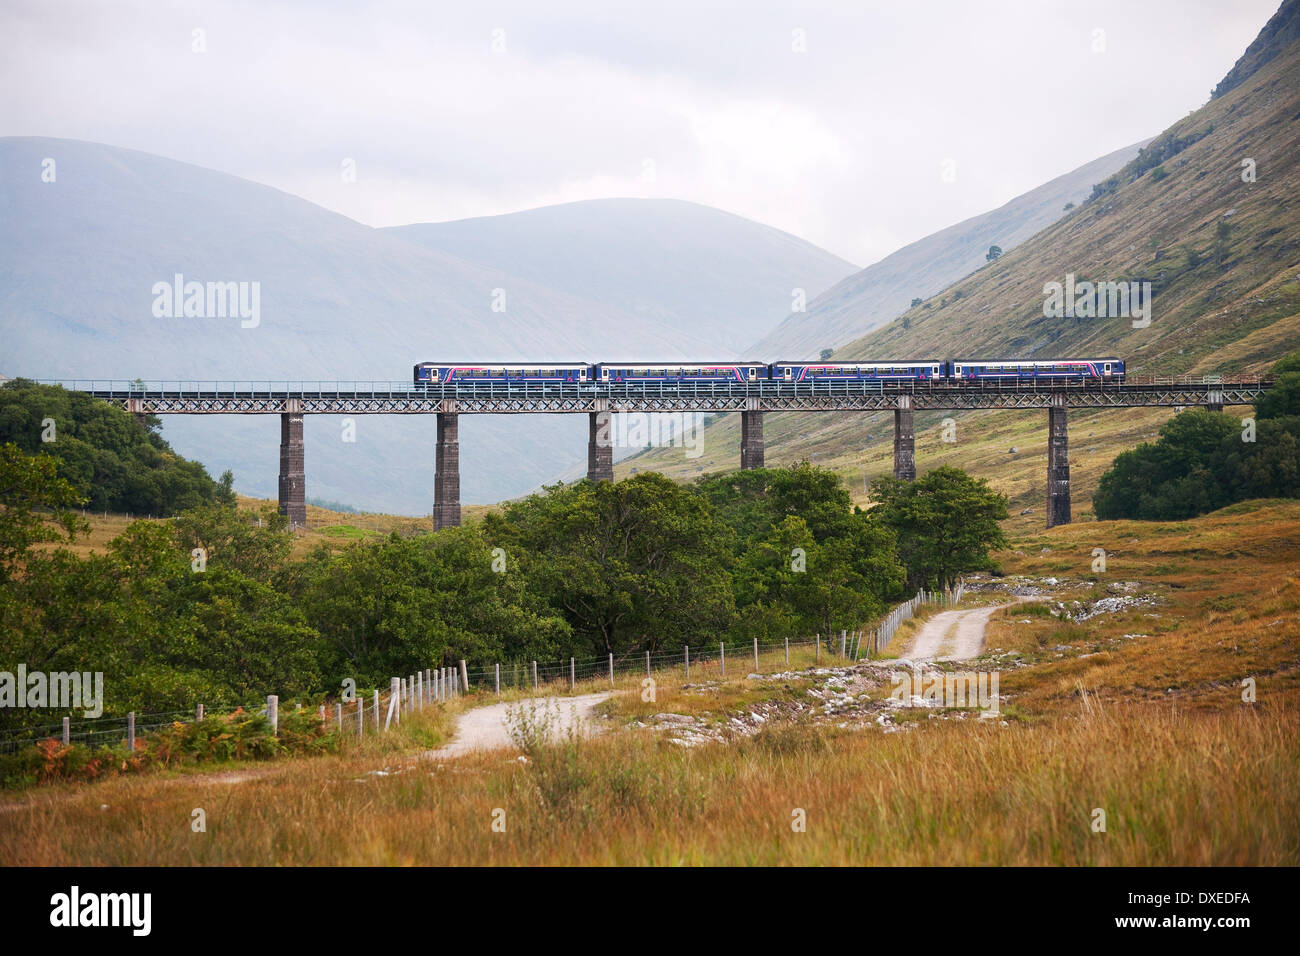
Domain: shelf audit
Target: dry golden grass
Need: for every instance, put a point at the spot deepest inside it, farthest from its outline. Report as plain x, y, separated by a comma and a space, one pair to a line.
1177, 788
1228, 590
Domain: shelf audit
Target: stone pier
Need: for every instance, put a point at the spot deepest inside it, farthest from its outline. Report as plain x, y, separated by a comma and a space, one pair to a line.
1058, 463
446, 469
904, 440
600, 443
293, 479
136, 407
751, 435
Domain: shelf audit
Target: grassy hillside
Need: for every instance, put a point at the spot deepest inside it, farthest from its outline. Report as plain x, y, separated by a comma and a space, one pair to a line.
1137, 710
872, 297
333, 529
861, 448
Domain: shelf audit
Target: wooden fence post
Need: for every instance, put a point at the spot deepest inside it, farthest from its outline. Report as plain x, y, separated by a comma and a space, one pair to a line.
647, 663
756, 670
376, 708
844, 643
67, 731
361, 710
611, 670
394, 701
198, 713
687, 649
534, 676
572, 676
787, 652
722, 656
273, 713
498, 666
340, 716
130, 731
818, 659
464, 677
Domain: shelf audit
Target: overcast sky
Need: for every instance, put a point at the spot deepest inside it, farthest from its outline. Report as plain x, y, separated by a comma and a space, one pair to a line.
830, 120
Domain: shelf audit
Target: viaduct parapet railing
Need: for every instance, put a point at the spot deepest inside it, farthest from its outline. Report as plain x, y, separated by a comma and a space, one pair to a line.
598, 400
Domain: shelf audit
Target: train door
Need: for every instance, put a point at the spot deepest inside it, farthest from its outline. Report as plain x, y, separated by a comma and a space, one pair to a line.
1106, 370
787, 373
753, 374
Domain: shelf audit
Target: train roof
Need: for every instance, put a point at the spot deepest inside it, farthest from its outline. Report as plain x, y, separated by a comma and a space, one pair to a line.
819, 362
557, 362
1030, 361
683, 363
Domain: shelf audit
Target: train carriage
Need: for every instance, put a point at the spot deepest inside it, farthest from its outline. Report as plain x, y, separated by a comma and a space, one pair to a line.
1086, 370
436, 373
917, 370
634, 372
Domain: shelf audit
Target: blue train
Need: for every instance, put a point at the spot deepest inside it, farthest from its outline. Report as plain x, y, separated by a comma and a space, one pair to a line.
1080, 370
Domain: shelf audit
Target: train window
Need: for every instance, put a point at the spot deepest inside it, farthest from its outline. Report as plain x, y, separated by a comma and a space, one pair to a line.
1106, 370
753, 373
582, 374
934, 370
787, 373
433, 375
957, 369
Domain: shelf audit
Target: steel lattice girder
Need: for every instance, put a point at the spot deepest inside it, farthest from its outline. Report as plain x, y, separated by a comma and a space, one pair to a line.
369, 402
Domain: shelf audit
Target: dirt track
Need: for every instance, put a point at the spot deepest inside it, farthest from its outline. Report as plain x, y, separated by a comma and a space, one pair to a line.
953, 635
485, 728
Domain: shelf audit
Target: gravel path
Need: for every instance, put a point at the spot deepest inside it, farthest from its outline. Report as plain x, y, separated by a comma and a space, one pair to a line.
953, 635
485, 728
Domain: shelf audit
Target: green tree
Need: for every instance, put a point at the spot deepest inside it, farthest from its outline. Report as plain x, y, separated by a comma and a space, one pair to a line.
403, 604
633, 565
255, 543
225, 493
35, 506
1176, 477
113, 462
946, 523
1283, 399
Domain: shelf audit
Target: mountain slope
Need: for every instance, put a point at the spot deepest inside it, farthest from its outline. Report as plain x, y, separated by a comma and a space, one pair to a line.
727, 280
1223, 256
80, 256
1220, 246
878, 293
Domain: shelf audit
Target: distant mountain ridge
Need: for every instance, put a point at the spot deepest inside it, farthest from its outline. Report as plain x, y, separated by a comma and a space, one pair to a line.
84, 244
880, 292
752, 269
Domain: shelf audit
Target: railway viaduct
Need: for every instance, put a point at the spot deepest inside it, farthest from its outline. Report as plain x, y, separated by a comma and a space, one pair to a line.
597, 400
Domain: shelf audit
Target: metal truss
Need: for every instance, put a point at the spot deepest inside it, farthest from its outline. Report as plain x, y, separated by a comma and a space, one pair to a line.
375, 398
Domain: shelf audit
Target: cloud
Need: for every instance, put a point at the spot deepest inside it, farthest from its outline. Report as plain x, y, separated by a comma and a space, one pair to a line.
451, 111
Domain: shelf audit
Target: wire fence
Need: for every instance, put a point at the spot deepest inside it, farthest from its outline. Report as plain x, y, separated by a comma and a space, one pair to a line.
377, 711
372, 712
